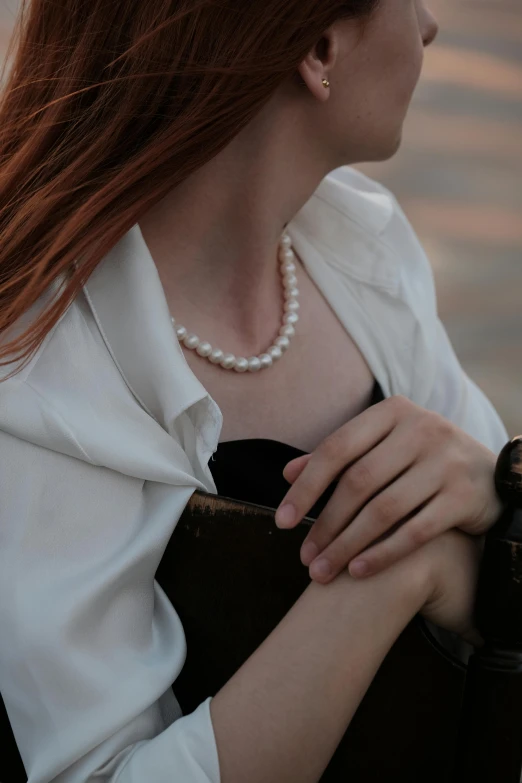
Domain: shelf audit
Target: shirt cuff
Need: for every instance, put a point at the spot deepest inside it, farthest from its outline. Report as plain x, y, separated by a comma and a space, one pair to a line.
186, 752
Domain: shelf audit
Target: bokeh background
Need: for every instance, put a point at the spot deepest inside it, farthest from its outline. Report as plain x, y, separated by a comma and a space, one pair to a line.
458, 176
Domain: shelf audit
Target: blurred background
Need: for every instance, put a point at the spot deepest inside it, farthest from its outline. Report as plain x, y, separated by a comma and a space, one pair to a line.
458, 176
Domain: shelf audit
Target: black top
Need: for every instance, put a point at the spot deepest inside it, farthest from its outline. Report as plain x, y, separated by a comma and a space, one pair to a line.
251, 469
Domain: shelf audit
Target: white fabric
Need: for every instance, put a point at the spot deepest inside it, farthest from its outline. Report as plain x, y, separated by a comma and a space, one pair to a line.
105, 435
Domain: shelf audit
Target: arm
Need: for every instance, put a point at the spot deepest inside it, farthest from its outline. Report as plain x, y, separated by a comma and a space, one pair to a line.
281, 716
283, 713
440, 384
445, 388
89, 647
89, 643
459, 399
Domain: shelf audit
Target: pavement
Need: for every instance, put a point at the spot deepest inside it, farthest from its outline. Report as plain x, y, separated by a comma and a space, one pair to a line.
458, 176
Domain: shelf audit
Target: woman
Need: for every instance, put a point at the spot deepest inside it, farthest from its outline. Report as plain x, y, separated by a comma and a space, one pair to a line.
158, 160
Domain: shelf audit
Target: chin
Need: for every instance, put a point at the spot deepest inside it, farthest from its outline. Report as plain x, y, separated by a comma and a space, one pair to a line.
376, 150
387, 148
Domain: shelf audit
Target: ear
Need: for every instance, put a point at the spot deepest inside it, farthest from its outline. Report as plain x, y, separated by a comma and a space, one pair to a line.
319, 63
324, 60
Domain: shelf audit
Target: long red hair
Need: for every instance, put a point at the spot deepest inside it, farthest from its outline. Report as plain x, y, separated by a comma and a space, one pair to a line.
107, 107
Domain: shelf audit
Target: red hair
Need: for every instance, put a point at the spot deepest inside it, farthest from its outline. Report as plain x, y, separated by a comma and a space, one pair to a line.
107, 107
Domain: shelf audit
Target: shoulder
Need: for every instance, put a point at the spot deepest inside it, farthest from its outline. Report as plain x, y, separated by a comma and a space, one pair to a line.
398, 288
26, 409
367, 236
361, 222
70, 397
363, 245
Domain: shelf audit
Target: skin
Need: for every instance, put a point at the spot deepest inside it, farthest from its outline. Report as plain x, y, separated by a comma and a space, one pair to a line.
397, 465
225, 255
315, 667
226, 250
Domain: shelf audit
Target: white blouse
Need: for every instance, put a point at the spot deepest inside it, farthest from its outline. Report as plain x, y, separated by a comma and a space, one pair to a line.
105, 435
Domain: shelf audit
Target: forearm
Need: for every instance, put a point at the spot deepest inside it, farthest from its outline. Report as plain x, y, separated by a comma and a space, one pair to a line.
281, 716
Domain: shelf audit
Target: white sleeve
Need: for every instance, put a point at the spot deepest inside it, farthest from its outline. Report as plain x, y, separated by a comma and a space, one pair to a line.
445, 386
89, 643
459, 399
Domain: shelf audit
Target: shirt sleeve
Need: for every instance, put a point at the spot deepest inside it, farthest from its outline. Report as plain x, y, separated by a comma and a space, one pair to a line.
457, 397
438, 380
89, 643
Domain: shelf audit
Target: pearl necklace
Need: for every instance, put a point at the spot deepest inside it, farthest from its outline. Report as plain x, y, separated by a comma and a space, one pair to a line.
240, 364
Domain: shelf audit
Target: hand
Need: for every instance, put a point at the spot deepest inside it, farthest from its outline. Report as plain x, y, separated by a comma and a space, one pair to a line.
452, 563
405, 474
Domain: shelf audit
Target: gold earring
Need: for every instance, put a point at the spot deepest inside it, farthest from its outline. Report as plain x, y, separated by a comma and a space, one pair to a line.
326, 83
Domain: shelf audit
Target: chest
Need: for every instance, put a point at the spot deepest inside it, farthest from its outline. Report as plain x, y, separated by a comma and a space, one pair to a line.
321, 382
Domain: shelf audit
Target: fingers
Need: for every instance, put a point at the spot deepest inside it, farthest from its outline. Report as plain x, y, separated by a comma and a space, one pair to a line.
405, 476
331, 457
359, 483
295, 467
437, 516
386, 510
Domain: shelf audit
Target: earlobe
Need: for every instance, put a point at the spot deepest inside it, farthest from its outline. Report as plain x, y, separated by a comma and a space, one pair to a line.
314, 77
316, 66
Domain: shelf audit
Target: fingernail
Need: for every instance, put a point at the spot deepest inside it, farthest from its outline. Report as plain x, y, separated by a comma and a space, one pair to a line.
359, 568
320, 568
285, 515
308, 552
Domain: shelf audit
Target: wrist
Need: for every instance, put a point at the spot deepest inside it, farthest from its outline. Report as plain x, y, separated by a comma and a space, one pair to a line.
394, 595
419, 574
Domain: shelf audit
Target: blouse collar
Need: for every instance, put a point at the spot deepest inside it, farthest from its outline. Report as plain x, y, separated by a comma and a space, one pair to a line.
128, 302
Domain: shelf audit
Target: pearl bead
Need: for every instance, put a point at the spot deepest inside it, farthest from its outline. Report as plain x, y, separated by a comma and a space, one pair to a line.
204, 349
241, 364
254, 364
265, 360
283, 343
275, 352
228, 361
287, 330
216, 356
191, 341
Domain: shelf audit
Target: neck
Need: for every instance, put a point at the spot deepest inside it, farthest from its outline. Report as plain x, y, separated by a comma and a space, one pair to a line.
221, 256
